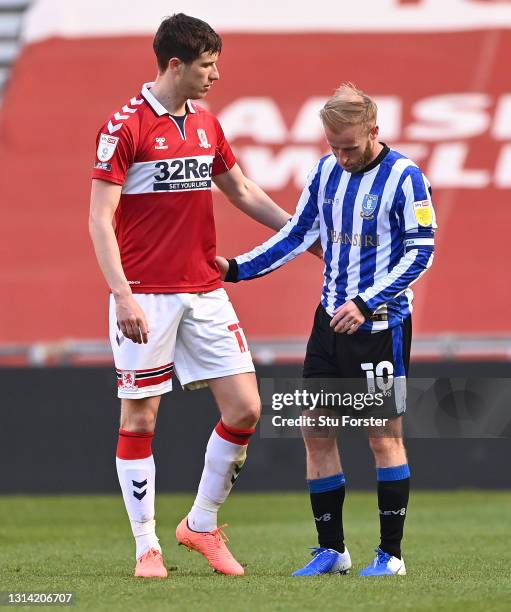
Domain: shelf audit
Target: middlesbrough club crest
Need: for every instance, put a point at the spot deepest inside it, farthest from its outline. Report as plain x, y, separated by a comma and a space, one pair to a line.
203, 139
128, 380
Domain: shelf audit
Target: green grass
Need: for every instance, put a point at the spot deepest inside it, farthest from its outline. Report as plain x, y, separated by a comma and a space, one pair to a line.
457, 550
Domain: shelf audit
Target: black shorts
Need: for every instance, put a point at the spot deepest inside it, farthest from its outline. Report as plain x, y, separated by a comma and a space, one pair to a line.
370, 362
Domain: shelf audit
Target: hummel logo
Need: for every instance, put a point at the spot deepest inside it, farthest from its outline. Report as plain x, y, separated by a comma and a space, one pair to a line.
139, 485
160, 143
113, 127
237, 470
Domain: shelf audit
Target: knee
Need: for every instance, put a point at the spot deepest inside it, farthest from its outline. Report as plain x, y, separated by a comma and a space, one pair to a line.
383, 447
138, 417
248, 415
140, 422
319, 448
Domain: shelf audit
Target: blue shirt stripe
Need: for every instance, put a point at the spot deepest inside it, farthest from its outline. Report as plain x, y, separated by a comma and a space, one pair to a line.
348, 203
370, 228
327, 205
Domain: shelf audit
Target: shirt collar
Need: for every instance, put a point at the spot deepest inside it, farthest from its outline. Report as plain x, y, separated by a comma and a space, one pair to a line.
158, 108
380, 157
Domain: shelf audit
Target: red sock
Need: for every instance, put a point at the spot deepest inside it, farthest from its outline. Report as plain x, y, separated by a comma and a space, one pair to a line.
134, 445
232, 434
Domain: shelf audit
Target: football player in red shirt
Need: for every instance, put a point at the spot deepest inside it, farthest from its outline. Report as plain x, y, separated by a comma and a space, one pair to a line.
152, 226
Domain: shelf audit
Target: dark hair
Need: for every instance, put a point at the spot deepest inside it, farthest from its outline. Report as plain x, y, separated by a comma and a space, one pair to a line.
184, 37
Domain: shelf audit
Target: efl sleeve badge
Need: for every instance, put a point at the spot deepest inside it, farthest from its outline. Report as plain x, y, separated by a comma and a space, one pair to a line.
106, 146
423, 212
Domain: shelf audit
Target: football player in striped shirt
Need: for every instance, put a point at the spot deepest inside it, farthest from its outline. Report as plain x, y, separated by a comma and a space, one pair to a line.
371, 208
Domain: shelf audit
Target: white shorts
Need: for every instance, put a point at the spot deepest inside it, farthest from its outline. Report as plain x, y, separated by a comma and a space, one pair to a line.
197, 336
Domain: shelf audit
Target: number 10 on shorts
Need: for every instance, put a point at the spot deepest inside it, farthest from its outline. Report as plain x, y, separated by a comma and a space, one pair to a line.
384, 370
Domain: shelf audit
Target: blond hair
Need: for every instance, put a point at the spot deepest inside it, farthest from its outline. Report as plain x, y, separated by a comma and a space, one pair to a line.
349, 106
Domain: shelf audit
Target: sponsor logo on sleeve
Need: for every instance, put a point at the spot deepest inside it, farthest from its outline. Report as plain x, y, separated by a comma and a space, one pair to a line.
106, 147
423, 212
103, 166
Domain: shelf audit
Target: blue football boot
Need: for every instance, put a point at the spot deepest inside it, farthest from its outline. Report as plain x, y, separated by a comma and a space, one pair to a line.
326, 561
384, 565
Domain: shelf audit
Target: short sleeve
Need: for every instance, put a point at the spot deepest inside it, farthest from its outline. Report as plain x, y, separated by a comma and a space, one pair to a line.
418, 213
224, 157
115, 153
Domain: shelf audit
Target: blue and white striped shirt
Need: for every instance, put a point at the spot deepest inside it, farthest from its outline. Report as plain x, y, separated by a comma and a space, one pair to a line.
377, 234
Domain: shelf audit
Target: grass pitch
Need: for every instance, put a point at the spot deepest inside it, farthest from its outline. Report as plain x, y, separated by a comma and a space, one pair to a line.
457, 551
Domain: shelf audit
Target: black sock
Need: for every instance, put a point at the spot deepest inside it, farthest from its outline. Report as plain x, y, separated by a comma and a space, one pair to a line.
393, 494
327, 498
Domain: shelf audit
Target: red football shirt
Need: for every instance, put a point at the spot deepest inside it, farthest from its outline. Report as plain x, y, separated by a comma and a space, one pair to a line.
164, 222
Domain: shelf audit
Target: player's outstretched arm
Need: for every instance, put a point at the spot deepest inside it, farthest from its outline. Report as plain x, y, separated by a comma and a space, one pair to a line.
104, 201
250, 198
299, 234
253, 201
